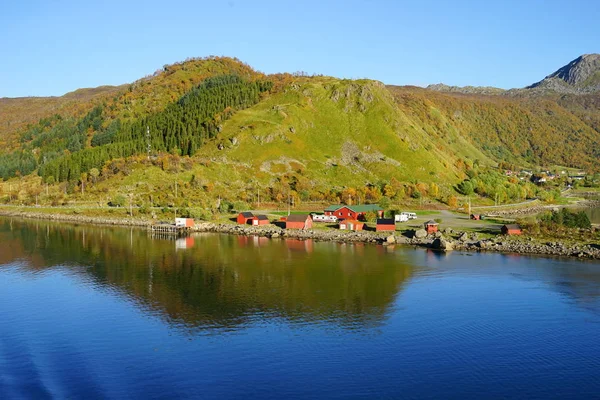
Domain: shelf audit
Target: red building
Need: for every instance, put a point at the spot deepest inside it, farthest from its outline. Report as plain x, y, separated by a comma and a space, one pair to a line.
431, 226
298, 221
245, 218
352, 225
260, 220
385, 224
353, 212
511, 229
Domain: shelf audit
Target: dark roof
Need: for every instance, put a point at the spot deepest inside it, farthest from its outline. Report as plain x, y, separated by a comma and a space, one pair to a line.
431, 222
358, 208
262, 217
386, 221
298, 217
247, 214
512, 226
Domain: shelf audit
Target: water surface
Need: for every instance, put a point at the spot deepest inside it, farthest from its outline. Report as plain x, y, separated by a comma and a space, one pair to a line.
94, 312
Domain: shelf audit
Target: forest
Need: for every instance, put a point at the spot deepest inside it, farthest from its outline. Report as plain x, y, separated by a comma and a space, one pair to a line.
63, 149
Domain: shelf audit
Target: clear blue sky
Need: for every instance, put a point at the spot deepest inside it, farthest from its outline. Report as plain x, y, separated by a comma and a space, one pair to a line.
50, 47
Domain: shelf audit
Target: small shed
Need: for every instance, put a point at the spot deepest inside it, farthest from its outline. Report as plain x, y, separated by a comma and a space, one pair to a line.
385, 224
352, 225
298, 221
431, 226
184, 222
511, 229
245, 218
260, 220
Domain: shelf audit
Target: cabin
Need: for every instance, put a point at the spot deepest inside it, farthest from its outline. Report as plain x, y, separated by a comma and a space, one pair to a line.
385, 224
351, 225
260, 220
298, 221
511, 229
356, 212
430, 226
184, 222
244, 218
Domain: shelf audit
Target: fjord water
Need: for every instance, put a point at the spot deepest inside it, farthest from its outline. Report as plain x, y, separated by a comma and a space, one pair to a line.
96, 312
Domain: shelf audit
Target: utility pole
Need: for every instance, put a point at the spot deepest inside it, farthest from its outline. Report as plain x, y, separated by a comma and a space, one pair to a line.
258, 197
175, 188
289, 211
469, 200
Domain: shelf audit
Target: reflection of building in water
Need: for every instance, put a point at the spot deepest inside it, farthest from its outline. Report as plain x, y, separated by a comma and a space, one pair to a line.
300, 245
184, 243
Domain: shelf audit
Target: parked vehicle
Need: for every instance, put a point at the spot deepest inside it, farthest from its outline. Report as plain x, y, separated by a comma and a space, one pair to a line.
401, 217
409, 215
324, 218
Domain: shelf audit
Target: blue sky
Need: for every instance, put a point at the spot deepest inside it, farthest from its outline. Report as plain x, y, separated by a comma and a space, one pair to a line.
51, 47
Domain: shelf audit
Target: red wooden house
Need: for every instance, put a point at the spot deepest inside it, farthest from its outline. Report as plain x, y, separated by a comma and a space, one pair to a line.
245, 218
298, 221
385, 224
260, 220
511, 229
352, 225
431, 226
353, 212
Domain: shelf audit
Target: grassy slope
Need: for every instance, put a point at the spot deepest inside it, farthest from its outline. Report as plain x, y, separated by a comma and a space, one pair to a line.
555, 131
357, 139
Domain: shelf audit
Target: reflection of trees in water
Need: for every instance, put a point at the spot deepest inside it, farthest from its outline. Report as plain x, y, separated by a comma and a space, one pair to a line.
223, 280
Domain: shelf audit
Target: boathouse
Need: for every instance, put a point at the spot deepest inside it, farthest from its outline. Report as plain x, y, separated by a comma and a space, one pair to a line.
431, 226
351, 225
511, 229
184, 222
260, 220
298, 221
356, 212
245, 218
385, 224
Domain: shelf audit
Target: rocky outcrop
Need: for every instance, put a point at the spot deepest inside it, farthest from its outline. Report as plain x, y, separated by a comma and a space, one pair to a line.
581, 75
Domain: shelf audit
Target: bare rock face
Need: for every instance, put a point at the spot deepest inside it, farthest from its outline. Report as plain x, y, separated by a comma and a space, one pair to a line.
581, 75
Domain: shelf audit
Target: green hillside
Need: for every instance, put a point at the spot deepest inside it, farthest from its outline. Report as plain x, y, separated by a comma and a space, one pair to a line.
210, 130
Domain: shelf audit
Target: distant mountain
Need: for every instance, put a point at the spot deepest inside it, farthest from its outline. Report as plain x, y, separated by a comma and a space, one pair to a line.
581, 75
489, 90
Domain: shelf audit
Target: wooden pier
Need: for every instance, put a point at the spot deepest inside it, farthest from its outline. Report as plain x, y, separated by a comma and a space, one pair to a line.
169, 229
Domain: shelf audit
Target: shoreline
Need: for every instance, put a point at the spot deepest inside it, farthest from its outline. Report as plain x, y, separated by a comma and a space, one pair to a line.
446, 241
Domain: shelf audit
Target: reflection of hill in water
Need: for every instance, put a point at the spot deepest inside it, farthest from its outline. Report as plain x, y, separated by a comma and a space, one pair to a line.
220, 280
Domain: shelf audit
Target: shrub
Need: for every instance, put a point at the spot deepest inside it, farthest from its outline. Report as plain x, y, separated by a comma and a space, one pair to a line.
118, 201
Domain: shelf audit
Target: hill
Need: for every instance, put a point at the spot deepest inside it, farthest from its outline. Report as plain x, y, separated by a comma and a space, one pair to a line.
581, 75
213, 129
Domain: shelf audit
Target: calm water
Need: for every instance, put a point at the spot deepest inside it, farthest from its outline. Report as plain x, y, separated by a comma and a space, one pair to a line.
88, 312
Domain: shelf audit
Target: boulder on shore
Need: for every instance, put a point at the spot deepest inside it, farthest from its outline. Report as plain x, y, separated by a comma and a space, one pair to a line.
420, 233
391, 239
442, 244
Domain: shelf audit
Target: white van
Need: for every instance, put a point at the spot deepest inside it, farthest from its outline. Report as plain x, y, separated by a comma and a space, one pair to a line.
400, 217
409, 215
324, 218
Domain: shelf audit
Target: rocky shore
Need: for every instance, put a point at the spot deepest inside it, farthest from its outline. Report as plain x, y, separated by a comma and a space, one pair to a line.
80, 219
441, 241
447, 240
